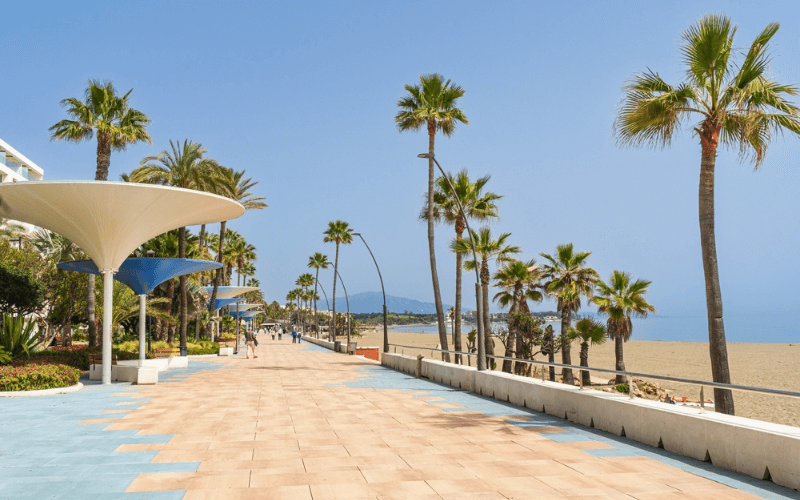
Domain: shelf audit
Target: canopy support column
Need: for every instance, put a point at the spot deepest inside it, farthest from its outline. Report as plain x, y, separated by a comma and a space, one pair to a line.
142, 321
108, 305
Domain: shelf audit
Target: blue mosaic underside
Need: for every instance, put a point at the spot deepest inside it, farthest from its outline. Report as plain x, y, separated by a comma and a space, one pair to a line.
556, 429
46, 454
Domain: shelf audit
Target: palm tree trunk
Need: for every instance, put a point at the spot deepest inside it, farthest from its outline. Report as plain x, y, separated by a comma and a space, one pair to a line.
487, 320
218, 278
332, 334
457, 312
437, 296
170, 298
723, 399
566, 320
620, 365
184, 314
316, 312
587, 380
90, 305
511, 347
103, 157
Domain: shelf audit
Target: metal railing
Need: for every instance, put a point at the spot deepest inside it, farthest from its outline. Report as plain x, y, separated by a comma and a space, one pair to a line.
628, 374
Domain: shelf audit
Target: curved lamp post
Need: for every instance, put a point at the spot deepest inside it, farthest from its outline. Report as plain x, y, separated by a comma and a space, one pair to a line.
385, 322
109, 220
481, 333
347, 299
327, 304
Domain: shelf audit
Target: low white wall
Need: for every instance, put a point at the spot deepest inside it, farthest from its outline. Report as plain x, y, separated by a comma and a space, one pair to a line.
161, 364
739, 444
322, 343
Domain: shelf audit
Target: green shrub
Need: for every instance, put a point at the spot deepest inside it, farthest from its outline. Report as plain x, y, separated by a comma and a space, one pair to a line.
20, 292
35, 376
17, 335
79, 336
622, 388
74, 356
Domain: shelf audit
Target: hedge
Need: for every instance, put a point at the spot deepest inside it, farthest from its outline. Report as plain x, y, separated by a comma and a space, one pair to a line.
34, 377
74, 356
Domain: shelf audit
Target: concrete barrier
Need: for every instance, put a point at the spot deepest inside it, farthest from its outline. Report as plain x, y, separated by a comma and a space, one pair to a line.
160, 364
126, 373
322, 343
751, 447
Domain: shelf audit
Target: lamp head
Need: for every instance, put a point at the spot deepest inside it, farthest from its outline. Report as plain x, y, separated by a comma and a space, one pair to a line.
356, 234
425, 155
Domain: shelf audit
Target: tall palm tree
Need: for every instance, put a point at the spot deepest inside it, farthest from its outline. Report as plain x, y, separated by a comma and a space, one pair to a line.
317, 261
338, 232
236, 186
182, 167
107, 115
519, 281
733, 103
486, 249
568, 280
477, 205
619, 299
591, 332
432, 104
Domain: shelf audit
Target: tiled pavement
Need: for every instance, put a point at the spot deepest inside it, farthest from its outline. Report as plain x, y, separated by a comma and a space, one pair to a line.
301, 422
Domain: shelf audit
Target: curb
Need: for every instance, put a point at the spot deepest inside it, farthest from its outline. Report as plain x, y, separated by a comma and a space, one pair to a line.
43, 392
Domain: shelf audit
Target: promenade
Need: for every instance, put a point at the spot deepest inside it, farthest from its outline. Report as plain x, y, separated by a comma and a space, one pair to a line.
301, 422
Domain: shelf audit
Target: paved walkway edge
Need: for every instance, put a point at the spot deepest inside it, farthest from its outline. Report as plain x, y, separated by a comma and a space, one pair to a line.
43, 392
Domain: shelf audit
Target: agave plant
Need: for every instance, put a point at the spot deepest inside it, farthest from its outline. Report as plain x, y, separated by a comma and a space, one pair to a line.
17, 336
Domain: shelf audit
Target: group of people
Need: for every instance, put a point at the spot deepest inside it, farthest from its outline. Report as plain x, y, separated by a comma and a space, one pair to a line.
252, 342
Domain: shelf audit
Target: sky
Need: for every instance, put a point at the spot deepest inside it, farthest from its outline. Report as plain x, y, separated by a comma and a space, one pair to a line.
302, 96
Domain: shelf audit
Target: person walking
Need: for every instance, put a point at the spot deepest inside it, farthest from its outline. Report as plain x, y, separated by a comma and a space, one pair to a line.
272, 331
299, 336
280, 332
251, 344
294, 336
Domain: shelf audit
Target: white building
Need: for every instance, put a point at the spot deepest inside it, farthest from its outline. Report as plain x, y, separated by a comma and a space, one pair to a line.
16, 167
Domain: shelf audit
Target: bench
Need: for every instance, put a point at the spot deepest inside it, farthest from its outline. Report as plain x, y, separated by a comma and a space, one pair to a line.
167, 352
96, 358
227, 342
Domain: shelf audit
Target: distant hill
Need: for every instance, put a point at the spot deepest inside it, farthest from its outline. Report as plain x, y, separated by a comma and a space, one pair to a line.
369, 302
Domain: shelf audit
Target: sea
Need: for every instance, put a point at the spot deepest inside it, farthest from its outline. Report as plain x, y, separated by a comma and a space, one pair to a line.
758, 328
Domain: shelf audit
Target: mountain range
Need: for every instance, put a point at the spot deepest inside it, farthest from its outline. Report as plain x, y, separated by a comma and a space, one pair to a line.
369, 302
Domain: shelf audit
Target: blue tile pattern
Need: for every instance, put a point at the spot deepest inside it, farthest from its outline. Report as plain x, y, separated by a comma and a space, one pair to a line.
46, 454
556, 429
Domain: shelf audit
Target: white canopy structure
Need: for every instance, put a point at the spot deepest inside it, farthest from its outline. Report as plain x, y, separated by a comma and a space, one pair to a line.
229, 292
109, 220
245, 307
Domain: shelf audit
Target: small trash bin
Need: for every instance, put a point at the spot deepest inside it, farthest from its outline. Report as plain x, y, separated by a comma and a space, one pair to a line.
183, 350
353, 346
337, 346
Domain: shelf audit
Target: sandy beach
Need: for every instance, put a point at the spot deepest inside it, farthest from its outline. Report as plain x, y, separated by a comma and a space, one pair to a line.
773, 366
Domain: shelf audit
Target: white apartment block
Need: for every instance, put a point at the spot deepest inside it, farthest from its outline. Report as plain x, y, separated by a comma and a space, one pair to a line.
16, 167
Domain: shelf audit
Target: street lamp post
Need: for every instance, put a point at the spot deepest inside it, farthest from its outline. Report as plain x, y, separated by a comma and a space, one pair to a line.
385, 321
327, 304
481, 334
347, 299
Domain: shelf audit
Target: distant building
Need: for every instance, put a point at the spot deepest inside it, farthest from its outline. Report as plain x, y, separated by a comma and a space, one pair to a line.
16, 167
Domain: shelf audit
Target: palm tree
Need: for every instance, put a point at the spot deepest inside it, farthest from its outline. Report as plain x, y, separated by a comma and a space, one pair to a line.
338, 232
105, 114
233, 185
477, 205
182, 167
487, 249
735, 104
305, 281
519, 281
590, 332
620, 299
432, 104
317, 261
568, 280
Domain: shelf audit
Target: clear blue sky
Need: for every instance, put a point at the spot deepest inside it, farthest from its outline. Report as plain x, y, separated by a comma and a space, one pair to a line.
303, 97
